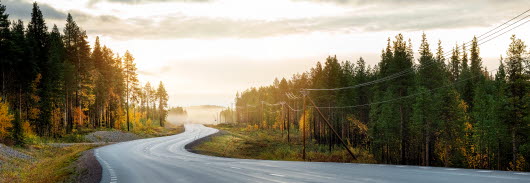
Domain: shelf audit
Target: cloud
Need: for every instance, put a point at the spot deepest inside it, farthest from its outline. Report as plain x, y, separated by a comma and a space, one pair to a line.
92, 2
385, 19
22, 10
366, 16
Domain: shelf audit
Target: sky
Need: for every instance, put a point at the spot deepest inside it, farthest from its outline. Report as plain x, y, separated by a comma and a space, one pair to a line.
207, 50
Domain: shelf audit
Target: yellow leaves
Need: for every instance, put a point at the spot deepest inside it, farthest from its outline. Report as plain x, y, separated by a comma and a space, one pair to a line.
363, 129
468, 126
521, 163
264, 124
252, 127
5, 119
135, 120
148, 122
26, 127
308, 116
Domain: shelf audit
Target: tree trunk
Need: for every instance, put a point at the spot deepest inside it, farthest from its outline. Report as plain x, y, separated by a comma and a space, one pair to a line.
514, 148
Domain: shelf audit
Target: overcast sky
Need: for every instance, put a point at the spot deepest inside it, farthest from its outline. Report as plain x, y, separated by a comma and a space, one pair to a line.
207, 50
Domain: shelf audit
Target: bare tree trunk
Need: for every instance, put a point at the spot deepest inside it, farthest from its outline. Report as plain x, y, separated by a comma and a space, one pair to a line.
514, 148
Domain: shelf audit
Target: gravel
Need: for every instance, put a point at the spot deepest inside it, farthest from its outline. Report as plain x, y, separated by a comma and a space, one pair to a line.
110, 136
87, 168
9, 152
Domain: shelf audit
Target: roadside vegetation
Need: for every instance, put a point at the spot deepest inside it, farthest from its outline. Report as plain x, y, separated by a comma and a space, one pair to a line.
45, 164
430, 107
44, 159
247, 142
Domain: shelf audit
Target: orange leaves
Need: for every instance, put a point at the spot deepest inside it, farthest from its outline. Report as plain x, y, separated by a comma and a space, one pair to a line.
5, 119
79, 116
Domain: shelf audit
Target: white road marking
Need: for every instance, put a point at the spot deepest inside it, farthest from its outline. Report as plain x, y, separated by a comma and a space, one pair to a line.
451, 169
400, 166
484, 171
521, 173
235, 167
278, 175
422, 167
113, 177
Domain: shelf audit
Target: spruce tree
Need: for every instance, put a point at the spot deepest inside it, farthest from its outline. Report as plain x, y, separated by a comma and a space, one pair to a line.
5, 43
37, 37
517, 98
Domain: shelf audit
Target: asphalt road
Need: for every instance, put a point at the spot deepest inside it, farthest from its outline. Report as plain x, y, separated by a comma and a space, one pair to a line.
164, 159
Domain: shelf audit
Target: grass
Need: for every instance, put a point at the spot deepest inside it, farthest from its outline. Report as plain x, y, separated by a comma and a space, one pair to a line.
248, 143
169, 129
50, 164
57, 164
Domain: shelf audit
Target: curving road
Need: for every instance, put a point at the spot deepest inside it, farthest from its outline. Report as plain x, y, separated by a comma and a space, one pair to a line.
164, 159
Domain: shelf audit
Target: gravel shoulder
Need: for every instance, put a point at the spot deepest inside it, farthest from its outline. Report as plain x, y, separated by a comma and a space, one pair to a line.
111, 136
9, 153
87, 169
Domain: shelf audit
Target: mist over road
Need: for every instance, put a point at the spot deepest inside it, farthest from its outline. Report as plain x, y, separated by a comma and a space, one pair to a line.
164, 159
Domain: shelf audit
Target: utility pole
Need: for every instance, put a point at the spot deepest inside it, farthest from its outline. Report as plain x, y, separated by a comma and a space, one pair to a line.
288, 125
304, 93
331, 127
248, 117
283, 116
262, 113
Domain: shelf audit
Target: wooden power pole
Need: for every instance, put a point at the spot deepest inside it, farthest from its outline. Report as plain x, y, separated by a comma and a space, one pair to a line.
304, 93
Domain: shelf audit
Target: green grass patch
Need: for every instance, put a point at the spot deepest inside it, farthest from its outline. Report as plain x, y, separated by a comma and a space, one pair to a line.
269, 144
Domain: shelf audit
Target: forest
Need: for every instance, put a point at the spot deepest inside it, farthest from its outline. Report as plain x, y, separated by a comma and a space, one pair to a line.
441, 109
55, 83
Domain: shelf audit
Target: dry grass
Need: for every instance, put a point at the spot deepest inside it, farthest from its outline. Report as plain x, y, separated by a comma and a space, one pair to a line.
247, 143
169, 129
51, 164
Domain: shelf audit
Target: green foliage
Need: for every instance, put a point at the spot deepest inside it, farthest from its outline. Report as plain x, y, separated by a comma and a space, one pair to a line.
437, 114
59, 86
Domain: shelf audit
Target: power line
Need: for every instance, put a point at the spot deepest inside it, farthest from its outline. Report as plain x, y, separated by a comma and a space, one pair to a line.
449, 53
504, 23
408, 96
409, 70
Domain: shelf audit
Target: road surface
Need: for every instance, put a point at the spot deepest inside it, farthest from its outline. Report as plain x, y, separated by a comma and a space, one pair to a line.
164, 159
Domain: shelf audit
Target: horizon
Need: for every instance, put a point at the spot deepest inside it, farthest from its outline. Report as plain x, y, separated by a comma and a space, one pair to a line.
197, 50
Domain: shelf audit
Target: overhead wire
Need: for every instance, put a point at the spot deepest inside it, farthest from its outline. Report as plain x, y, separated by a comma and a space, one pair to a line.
404, 97
410, 70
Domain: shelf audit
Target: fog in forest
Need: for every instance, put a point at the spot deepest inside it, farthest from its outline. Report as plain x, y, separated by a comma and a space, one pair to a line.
204, 114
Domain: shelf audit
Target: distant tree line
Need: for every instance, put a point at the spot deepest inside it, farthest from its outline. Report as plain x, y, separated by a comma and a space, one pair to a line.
54, 83
445, 112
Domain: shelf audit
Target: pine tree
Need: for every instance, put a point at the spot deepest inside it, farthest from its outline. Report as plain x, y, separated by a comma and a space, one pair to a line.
131, 81
52, 81
426, 117
465, 80
476, 62
454, 66
402, 60
162, 102
37, 37
517, 97
4, 49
